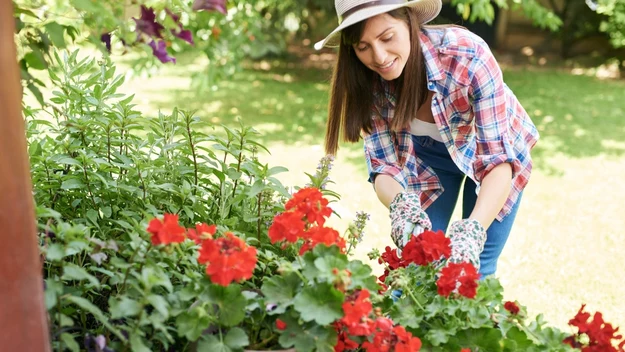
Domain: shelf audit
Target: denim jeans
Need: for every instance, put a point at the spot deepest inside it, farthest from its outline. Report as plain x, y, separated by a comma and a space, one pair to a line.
435, 155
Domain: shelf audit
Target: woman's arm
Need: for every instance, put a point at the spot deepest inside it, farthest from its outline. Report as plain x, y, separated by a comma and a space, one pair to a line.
494, 191
387, 188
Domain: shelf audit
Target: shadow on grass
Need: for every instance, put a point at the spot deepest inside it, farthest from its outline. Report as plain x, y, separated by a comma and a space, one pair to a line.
577, 116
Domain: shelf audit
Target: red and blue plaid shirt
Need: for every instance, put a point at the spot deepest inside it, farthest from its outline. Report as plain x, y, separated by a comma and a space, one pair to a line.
479, 118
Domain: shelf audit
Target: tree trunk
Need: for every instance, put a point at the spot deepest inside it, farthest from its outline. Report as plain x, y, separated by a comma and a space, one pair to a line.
23, 321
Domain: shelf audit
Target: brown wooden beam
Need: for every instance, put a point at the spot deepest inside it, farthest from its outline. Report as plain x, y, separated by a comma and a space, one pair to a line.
23, 318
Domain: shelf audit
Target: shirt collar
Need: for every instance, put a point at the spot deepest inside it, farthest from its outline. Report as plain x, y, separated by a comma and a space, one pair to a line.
430, 55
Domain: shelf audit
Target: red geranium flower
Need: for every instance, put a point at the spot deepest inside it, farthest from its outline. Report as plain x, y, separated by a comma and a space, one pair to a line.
287, 226
511, 307
405, 341
166, 231
311, 203
599, 333
326, 235
201, 232
427, 248
357, 310
280, 325
229, 259
462, 276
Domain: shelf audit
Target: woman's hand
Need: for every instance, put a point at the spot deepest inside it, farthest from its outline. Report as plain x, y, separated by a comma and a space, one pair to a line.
407, 218
467, 241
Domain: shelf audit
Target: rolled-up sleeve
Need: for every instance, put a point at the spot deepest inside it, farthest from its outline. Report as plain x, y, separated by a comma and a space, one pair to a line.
380, 153
492, 118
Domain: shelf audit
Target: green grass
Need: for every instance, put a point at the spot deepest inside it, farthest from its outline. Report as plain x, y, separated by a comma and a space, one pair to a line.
567, 244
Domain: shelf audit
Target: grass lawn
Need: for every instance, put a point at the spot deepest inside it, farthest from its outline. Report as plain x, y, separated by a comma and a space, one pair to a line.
567, 244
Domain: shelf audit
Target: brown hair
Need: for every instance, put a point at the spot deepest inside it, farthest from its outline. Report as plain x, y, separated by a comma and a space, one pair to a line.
353, 84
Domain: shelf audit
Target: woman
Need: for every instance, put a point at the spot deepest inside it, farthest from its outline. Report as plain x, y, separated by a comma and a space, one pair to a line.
434, 113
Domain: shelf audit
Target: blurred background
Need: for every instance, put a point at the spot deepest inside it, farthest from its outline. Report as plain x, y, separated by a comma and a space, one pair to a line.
252, 62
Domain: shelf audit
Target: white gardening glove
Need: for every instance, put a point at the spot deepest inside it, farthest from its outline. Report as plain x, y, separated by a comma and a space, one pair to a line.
467, 241
407, 218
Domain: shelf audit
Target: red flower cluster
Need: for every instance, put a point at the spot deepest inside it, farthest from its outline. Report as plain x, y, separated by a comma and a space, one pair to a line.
304, 218
512, 307
391, 338
166, 231
229, 259
423, 249
427, 247
357, 321
462, 274
600, 334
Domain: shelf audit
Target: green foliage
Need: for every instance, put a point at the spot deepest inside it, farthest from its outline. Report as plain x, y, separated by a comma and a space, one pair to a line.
101, 170
614, 22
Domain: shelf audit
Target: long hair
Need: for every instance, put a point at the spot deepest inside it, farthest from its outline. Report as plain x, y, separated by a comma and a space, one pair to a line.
353, 86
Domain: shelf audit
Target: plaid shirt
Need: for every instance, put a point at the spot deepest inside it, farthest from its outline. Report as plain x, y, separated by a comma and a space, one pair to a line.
479, 118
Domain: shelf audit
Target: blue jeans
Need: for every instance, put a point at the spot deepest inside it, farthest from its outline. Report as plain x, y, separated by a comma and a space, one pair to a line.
435, 155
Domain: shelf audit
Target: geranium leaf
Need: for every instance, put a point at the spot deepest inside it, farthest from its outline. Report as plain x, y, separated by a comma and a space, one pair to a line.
211, 343
406, 314
230, 302
321, 303
191, 324
362, 276
486, 339
280, 290
307, 337
327, 264
236, 339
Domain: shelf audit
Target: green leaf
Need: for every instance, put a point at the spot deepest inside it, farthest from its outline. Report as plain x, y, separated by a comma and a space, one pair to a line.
97, 313
36, 92
486, 339
280, 290
307, 337
326, 266
137, 345
236, 339
362, 276
321, 303
522, 343
55, 252
92, 215
160, 304
276, 170
70, 342
211, 343
72, 183
191, 324
74, 272
407, 314
230, 302
56, 33
124, 307
35, 60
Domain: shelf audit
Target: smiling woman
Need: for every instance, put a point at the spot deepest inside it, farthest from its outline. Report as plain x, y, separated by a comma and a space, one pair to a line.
436, 117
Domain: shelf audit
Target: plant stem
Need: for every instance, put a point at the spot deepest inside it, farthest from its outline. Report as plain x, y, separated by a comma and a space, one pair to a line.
259, 215
188, 125
414, 299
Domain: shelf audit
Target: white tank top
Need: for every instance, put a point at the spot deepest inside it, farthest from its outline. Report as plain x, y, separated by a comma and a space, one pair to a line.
422, 128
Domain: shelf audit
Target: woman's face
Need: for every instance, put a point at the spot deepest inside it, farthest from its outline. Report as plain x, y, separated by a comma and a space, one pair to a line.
384, 46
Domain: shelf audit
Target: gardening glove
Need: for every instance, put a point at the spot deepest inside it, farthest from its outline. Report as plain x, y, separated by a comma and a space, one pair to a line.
467, 241
407, 218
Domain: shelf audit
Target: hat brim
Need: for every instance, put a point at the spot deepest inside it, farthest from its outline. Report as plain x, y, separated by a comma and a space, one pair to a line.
426, 11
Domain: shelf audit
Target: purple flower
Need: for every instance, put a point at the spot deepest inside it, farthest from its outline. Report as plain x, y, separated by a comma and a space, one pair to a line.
96, 344
147, 23
185, 35
181, 33
106, 39
210, 5
160, 51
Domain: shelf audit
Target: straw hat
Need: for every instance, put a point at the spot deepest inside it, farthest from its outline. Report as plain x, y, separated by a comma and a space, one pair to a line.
350, 12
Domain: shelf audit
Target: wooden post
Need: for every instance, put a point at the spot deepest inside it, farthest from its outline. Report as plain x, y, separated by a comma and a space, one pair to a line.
23, 318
